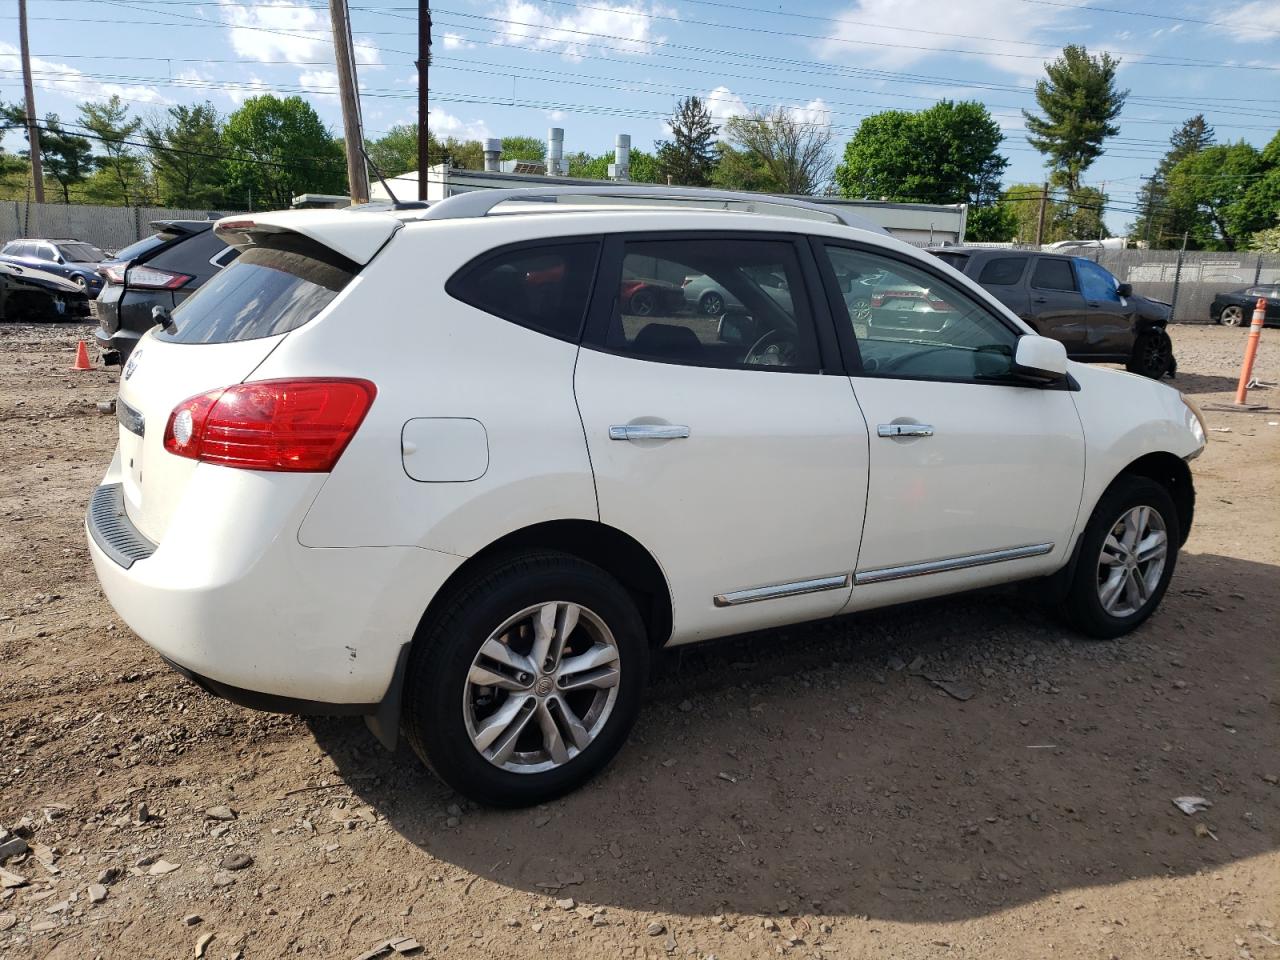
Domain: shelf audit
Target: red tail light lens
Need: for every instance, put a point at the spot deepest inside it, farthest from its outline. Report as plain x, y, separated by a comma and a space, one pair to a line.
114, 272
278, 425
152, 278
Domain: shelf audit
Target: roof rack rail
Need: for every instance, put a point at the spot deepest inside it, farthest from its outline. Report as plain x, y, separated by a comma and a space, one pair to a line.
479, 203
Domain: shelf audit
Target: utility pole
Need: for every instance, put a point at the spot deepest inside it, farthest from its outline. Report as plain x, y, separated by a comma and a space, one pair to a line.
1102, 206
1044, 202
33, 126
424, 62
344, 57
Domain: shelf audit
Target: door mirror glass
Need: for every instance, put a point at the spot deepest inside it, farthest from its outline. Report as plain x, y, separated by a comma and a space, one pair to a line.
1125, 290
1040, 358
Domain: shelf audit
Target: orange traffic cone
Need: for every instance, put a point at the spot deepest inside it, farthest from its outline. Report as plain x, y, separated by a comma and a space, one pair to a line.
82, 357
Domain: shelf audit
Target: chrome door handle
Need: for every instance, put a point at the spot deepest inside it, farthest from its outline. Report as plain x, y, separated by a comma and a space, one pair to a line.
648, 431
894, 430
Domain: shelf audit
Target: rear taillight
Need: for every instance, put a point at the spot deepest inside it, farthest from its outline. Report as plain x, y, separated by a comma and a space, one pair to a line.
279, 425
153, 278
114, 272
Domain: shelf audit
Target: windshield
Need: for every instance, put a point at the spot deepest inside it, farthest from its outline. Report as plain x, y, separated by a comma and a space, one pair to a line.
81, 253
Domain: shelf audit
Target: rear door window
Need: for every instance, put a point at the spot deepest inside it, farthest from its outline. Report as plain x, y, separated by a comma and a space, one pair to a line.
544, 287
1003, 271
1053, 273
270, 289
191, 255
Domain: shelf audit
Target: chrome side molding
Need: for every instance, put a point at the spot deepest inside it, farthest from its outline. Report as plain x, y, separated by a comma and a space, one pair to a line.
793, 589
885, 574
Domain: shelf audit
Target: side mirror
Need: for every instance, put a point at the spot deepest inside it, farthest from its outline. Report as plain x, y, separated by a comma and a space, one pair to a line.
1040, 358
1125, 289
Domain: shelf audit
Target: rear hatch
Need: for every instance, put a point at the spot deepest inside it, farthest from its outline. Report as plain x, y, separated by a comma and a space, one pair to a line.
217, 338
107, 306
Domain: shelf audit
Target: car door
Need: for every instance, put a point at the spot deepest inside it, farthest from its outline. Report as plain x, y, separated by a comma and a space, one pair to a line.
729, 446
1110, 328
975, 476
1057, 309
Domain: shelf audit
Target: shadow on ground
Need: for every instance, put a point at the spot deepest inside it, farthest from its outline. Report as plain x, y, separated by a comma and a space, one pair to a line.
806, 774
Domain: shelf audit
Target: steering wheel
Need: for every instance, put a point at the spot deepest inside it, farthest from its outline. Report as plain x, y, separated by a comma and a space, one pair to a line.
775, 349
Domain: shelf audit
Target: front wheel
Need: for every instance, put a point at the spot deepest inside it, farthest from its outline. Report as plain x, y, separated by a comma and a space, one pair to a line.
1127, 555
1152, 354
528, 681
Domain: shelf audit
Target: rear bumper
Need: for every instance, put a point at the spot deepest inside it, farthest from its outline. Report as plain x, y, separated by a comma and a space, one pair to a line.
233, 601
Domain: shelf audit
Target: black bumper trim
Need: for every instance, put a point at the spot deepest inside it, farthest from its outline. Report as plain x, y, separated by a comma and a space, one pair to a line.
112, 530
270, 702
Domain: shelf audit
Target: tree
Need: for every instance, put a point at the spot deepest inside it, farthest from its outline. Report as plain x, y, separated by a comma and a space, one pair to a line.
186, 152
644, 166
1075, 215
795, 152
396, 151
945, 154
1158, 224
113, 130
68, 157
1228, 193
528, 149
993, 223
1079, 101
689, 157
279, 149
741, 170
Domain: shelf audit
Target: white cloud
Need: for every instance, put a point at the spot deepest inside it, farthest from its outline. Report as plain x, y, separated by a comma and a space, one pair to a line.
1254, 22
253, 87
622, 27
299, 32
723, 103
455, 41
67, 80
902, 22
320, 84
444, 124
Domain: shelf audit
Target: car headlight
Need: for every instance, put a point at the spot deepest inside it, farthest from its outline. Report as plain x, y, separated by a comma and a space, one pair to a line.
1199, 428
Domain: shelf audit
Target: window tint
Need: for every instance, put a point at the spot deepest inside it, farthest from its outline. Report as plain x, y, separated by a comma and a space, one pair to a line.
269, 290
145, 245
543, 287
42, 251
912, 324
1003, 271
1053, 274
727, 303
1096, 283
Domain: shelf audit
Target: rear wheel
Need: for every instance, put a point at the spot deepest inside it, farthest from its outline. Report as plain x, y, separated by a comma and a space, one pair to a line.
1127, 556
1232, 316
711, 304
528, 681
1152, 354
643, 303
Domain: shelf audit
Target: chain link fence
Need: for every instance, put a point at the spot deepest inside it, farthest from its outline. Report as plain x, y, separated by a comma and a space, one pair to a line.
107, 227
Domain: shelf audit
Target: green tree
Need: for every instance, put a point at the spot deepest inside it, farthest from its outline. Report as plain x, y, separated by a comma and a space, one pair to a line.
796, 153
1080, 103
278, 149
994, 223
742, 170
113, 131
644, 166
187, 156
1159, 224
396, 151
67, 157
945, 154
1229, 192
528, 149
1069, 215
689, 157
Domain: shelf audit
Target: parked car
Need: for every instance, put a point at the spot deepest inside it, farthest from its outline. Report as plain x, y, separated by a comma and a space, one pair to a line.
711, 299
1075, 301
161, 270
27, 294
646, 297
1235, 309
356, 475
66, 259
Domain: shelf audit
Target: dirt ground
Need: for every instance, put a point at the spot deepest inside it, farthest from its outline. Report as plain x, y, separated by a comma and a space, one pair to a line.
802, 793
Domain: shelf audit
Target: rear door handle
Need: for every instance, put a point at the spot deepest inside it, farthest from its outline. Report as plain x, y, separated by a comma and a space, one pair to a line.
1040, 300
648, 431
895, 430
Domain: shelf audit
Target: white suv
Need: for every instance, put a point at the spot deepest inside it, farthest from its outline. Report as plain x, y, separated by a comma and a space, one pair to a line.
424, 466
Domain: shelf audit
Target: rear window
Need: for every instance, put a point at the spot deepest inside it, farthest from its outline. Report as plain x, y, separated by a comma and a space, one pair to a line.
1003, 271
957, 260
1053, 274
269, 290
81, 253
145, 245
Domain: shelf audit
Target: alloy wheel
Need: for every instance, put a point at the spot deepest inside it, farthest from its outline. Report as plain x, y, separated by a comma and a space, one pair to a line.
542, 687
1232, 316
1131, 561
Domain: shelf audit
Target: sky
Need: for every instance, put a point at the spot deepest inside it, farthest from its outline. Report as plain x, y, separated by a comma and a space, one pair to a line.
598, 68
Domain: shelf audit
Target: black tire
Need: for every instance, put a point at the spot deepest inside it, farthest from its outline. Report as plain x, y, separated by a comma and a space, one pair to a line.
436, 691
711, 304
1152, 354
1232, 316
643, 304
1083, 605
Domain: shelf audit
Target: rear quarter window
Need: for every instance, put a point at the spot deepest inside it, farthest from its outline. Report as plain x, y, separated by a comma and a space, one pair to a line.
269, 290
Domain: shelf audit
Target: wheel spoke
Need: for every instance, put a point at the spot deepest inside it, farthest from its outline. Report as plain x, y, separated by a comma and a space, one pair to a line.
1140, 592
1151, 546
1136, 522
499, 651
1113, 551
551, 737
599, 655
503, 728
484, 677
1109, 592
579, 736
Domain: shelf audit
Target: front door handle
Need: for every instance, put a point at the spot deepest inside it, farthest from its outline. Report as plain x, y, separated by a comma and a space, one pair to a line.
648, 431
895, 430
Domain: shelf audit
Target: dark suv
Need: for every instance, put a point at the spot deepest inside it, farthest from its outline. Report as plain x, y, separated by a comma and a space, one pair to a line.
1074, 300
161, 270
